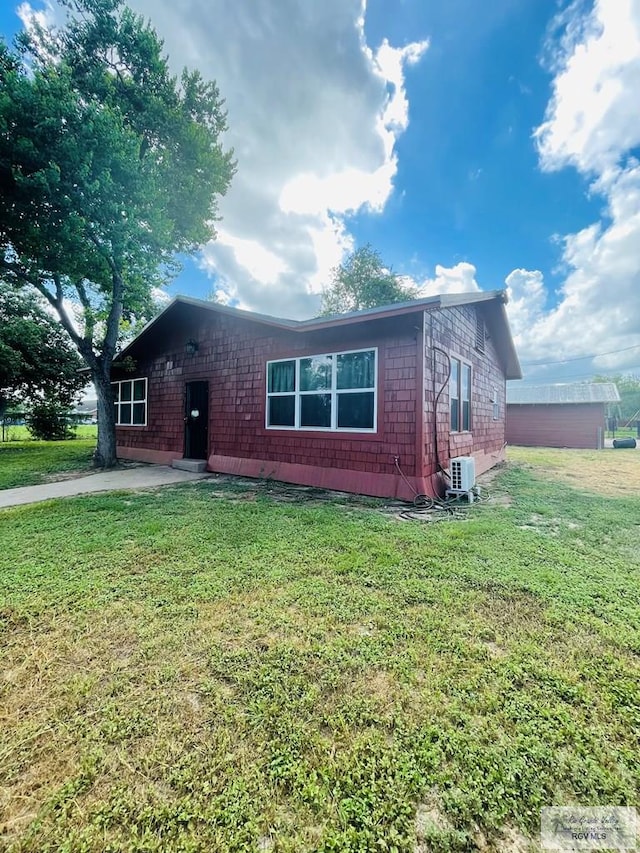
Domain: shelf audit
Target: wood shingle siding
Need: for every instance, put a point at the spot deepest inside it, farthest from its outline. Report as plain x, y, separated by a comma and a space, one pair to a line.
232, 354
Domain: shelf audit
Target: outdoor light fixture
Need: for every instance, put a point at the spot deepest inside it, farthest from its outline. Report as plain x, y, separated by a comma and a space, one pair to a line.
191, 347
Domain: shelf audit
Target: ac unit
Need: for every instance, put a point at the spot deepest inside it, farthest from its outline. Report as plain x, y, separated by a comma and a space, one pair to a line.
463, 474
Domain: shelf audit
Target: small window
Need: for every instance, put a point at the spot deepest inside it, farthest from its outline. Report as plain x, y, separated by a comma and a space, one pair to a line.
454, 394
460, 395
496, 405
130, 402
465, 396
332, 391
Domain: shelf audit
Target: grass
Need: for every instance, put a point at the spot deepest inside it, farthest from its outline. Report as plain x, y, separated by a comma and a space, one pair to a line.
623, 432
614, 473
28, 462
205, 668
21, 433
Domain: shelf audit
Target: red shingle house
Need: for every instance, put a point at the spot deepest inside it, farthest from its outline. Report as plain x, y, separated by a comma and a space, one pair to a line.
374, 402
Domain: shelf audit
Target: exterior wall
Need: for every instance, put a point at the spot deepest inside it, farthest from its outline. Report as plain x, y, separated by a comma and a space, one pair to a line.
556, 425
232, 356
453, 331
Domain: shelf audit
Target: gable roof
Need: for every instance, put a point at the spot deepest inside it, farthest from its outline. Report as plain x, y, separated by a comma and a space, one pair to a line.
577, 392
493, 302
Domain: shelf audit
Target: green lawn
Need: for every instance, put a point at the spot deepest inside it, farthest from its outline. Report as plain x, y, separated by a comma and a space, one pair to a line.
27, 462
185, 670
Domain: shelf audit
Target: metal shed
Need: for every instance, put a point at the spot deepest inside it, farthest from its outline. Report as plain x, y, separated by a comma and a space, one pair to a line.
571, 415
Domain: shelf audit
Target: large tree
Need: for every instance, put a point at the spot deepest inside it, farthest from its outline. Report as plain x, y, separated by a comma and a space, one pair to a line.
37, 360
109, 166
363, 281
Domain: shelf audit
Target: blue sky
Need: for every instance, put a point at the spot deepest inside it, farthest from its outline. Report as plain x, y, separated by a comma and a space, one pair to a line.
473, 145
467, 163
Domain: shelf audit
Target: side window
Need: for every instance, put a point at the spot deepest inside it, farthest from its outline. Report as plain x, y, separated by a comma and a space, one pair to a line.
454, 394
460, 395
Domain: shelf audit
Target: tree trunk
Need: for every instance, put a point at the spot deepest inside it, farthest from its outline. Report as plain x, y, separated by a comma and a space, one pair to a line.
105, 452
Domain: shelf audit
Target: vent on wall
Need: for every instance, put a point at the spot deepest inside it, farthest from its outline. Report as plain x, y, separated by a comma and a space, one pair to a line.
480, 333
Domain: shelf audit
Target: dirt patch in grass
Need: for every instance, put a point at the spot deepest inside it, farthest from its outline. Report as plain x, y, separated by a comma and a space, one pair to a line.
606, 472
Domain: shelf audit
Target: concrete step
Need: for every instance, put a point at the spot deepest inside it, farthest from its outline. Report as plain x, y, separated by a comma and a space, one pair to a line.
196, 466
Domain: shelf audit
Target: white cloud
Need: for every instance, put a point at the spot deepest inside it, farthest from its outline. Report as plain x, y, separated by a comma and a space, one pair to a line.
331, 242
460, 278
314, 114
592, 118
340, 192
261, 264
527, 297
591, 123
390, 63
35, 17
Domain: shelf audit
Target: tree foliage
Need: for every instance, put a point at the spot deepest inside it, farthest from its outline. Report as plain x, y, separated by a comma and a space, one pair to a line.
37, 360
629, 390
363, 281
109, 166
48, 421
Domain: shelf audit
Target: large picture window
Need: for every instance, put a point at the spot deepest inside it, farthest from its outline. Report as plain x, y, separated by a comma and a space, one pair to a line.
334, 391
130, 402
460, 395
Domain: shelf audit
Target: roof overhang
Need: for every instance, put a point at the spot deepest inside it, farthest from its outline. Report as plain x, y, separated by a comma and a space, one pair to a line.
493, 308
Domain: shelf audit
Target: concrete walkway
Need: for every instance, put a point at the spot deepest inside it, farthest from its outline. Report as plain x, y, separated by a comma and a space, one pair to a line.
139, 477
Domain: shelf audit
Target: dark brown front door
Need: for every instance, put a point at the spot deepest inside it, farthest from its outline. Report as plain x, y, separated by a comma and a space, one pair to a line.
196, 420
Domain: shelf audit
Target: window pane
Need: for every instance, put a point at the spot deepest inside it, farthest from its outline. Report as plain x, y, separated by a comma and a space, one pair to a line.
115, 389
138, 389
466, 382
315, 410
355, 411
282, 411
116, 413
282, 377
138, 413
455, 412
357, 370
125, 391
315, 373
455, 377
466, 415
125, 413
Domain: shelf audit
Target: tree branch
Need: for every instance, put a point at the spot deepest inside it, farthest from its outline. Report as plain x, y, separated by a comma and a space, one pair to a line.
57, 302
113, 320
89, 318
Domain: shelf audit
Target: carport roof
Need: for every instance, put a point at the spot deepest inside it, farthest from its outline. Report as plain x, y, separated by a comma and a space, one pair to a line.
577, 392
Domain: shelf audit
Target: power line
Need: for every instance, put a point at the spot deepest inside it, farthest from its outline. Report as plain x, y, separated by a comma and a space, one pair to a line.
579, 358
590, 375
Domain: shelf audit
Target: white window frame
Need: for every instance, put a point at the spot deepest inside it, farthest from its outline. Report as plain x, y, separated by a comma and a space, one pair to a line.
462, 362
119, 402
334, 392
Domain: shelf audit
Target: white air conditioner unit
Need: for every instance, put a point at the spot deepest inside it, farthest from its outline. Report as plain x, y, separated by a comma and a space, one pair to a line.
463, 474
